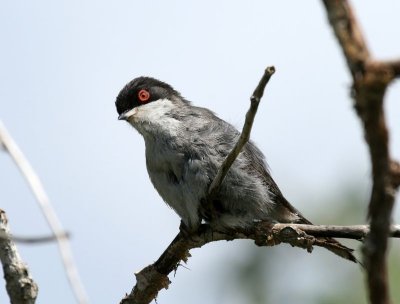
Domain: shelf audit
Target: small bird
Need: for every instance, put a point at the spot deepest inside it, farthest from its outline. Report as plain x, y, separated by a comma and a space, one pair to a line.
186, 145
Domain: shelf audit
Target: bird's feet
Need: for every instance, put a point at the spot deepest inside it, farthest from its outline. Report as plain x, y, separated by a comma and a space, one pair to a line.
186, 231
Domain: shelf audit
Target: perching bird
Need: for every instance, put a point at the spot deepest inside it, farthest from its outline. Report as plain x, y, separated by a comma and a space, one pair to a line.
185, 146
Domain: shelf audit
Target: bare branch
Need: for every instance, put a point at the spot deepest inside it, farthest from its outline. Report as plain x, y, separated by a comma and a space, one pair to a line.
394, 66
348, 33
153, 278
19, 284
245, 135
355, 232
395, 172
370, 81
31, 239
48, 212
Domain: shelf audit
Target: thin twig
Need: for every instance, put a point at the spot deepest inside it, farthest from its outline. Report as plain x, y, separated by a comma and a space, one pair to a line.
245, 135
31, 239
153, 278
370, 81
21, 288
48, 212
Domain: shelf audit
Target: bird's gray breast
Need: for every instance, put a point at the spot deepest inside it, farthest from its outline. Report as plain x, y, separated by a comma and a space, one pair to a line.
177, 172
183, 154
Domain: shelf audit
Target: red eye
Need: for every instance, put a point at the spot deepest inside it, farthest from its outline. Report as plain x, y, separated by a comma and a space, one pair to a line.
143, 96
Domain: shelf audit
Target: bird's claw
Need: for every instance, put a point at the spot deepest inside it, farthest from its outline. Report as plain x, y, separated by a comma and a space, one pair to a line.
187, 232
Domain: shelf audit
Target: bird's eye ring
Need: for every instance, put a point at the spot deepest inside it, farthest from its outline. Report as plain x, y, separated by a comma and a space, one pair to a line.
143, 96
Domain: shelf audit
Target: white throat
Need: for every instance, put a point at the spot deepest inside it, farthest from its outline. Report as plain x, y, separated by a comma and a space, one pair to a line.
153, 118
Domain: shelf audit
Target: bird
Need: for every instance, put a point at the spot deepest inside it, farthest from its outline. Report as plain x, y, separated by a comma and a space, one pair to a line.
185, 145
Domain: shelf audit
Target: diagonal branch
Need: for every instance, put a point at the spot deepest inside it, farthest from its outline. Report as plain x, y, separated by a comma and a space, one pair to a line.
370, 80
48, 211
19, 284
348, 33
245, 135
153, 278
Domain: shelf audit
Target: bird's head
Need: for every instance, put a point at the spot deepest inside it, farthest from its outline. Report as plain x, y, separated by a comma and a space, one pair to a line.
141, 92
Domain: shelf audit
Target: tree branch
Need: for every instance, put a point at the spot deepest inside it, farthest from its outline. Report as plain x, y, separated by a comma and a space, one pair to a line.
31, 239
394, 65
348, 33
395, 172
19, 284
153, 278
355, 232
370, 80
245, 135
48, 211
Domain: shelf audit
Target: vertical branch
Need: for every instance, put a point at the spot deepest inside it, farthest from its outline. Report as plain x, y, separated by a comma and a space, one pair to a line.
19, 284
370, 81
245, 135
49, 213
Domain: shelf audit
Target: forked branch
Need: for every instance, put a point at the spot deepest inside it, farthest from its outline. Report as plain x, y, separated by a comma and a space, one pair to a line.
370, 81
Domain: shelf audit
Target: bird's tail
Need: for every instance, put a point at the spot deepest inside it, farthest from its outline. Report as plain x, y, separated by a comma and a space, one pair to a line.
337, 248
289, 214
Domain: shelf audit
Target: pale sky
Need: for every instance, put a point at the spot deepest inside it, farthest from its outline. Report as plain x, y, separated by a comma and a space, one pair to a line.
64, 62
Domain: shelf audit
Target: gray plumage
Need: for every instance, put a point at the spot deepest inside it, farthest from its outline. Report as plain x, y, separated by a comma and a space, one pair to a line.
185, 146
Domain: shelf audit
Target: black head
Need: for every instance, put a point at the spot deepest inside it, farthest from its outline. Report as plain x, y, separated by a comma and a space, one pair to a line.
140, 91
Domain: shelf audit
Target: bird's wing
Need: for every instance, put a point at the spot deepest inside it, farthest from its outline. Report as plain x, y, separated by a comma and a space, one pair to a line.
208, 128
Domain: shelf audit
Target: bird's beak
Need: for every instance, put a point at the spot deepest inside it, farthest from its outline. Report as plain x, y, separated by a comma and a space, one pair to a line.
127, 114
